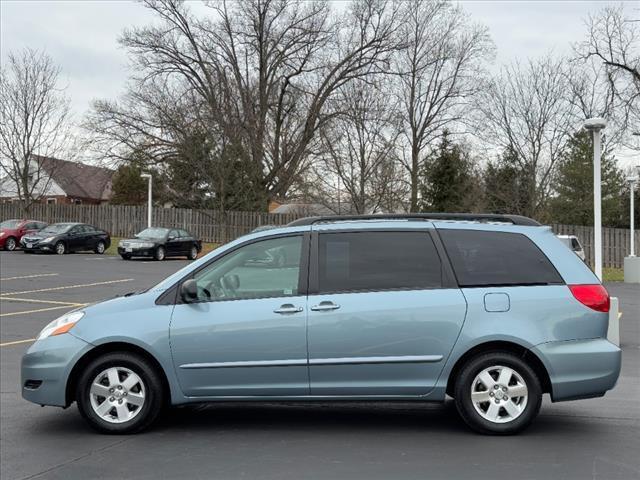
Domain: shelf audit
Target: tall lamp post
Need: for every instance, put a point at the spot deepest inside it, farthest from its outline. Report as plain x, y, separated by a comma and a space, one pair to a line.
595, 125
632, 263
632, 186
149, 199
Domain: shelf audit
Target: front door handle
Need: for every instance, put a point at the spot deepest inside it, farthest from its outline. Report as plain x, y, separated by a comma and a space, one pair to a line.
287, 308
325, 306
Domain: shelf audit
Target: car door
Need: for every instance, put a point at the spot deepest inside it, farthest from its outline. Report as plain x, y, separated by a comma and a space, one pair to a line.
173, 244
384, 312
90, 237
247, 334
186, 241
75, 238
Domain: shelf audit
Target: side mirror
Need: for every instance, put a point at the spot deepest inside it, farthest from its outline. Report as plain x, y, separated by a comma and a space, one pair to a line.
189, 291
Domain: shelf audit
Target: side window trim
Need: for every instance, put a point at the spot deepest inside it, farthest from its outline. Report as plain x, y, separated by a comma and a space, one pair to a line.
171, 297
448, 277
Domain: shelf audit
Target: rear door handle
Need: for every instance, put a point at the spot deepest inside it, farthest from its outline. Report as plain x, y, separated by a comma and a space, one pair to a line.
324, 306
287, 308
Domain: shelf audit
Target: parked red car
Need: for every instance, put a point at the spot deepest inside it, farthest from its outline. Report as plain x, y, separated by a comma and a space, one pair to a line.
11, 231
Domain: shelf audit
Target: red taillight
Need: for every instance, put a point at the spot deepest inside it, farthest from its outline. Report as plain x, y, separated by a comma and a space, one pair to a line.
595, 297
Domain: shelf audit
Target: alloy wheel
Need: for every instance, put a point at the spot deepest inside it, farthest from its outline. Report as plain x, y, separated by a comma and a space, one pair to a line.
60, 248
100, 248
10, 244
499, 394
117, 395
194, 253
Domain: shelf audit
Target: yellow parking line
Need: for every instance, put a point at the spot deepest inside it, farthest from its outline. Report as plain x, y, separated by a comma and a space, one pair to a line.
17, 342
30, 276
67, 287
43, 309
33, 300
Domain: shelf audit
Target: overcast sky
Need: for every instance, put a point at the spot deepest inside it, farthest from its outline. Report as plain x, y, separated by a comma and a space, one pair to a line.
81, 36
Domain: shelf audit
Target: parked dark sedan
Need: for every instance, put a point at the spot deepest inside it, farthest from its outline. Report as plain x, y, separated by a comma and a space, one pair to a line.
160, 243
63, 238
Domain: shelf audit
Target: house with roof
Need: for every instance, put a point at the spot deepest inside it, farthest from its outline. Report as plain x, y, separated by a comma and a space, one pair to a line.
65, 182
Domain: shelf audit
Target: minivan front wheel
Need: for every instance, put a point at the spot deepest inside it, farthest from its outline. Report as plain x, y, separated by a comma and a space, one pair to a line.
119, 393
498, 393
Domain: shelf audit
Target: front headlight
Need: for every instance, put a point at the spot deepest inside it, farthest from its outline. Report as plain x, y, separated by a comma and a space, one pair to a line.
1, 234
48, 239
121, 243
145, 245
61, 325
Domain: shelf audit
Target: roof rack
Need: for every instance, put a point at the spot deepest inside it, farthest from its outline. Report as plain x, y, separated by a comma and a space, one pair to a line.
473, 217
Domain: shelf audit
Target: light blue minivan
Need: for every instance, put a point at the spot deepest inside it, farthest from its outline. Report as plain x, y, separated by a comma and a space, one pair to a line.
492, 310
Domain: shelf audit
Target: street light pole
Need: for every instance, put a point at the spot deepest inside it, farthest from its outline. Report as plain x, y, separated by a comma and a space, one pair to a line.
595, 125
149, 198
632, 185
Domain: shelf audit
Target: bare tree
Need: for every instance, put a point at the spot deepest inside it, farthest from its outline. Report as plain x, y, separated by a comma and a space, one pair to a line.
358, 153
525, 110
34, 121
613, 40
264, 73
438, 72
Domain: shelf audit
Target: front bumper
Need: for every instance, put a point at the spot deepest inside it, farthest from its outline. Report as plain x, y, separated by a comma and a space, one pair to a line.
46, 367
37, 246
137, 252
580, 368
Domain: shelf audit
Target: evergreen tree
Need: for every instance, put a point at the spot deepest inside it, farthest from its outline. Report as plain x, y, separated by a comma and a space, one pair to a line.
129, 188
506, 186
447, 179
572, 202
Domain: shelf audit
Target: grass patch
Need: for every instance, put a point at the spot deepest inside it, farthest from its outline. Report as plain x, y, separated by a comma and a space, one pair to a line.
613, 274
113, 249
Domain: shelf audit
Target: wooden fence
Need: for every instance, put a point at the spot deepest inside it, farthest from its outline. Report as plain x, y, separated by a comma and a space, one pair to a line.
221, 227
124, 220
616, 242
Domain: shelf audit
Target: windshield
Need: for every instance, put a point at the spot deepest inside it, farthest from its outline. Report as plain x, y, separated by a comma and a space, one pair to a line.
57, 228
153, 233
10, 224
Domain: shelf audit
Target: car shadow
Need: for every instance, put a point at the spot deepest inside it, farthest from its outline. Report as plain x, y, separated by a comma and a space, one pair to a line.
149, 259
327, 417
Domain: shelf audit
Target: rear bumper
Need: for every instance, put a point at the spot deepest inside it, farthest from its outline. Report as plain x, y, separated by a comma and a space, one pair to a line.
580, 368
46, 367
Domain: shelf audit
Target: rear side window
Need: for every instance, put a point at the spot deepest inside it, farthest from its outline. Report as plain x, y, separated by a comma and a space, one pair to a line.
481, 258
366, 261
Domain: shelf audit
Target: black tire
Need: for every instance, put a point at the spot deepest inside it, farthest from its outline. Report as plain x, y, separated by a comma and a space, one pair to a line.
160, 254
468, 411
193, 253
60, 248
101, 247
125, 256
10, 244
154, 398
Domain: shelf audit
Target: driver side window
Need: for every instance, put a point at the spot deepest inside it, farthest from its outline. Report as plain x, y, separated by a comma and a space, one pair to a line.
268, 268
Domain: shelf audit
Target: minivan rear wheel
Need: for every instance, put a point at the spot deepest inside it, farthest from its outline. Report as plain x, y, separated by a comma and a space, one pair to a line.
498, 393
119, 393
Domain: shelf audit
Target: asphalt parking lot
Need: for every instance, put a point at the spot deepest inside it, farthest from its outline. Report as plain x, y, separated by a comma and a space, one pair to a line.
598, 438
